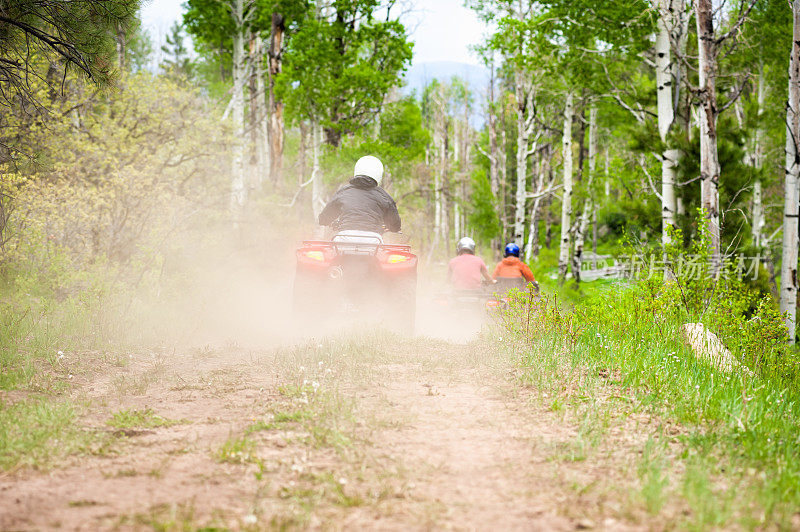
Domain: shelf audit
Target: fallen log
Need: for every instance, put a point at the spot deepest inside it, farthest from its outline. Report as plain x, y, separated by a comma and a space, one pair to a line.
709, 348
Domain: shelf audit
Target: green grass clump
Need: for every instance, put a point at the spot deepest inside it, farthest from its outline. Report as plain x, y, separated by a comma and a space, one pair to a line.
35, 432
237, 450
139, 419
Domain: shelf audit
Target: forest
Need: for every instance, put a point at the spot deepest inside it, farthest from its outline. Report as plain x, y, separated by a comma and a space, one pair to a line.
590, 129
643, 154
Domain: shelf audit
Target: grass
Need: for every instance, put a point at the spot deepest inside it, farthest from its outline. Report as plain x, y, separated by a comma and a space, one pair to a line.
140, 419
621, 355
40, 336
315, 487
321, 418
35, 432
174, 518
140, 383
653, 476
237, 450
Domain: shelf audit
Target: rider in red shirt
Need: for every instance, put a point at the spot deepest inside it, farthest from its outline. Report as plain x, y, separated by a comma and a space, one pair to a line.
466, 270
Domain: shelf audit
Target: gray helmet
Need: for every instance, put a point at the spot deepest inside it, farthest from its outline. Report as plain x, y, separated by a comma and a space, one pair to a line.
466, 244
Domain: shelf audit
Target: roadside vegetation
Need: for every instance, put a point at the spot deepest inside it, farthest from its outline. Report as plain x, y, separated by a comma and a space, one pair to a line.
720, 444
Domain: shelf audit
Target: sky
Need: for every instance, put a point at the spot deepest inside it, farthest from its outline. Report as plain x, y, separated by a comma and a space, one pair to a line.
442, 30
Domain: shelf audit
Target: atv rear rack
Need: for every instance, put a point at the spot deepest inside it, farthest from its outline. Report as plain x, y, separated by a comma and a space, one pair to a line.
356, 248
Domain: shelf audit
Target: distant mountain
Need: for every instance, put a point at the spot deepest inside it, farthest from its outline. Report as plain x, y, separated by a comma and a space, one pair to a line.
420, 75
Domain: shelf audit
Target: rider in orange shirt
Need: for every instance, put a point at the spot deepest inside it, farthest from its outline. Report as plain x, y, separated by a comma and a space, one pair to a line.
512, 270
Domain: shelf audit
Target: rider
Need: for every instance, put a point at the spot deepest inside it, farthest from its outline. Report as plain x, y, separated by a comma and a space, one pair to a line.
466, 269
511, 270
362, 205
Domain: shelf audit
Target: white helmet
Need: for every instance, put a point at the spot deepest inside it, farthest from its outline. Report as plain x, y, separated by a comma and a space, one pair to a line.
369, 166
465, 244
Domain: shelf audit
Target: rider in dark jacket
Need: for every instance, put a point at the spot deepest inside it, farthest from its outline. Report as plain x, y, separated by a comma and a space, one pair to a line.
362, 205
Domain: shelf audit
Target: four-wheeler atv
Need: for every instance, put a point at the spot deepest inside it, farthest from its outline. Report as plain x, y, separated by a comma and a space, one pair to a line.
355, 276
473, 307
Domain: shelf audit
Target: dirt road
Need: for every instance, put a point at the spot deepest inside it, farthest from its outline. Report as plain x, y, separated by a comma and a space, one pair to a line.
346, 433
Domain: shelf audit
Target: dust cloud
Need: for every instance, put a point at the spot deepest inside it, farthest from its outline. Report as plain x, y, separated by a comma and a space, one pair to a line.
238, 292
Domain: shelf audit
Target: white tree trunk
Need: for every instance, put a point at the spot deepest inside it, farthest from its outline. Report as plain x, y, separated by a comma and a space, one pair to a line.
758, 161
709, 161
792, 194
666, 111
443, 166
275, 126
317, 187
437, 200
566, 201
532, 229
758, 216
588, 203
238, 183
524, 96
540, 194
262, 114
457, 229
494, 179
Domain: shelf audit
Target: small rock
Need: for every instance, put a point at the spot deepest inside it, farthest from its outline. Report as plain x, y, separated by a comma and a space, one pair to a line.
281, 443
584, 524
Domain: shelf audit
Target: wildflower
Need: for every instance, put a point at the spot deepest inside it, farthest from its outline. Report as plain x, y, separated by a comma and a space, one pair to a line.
60, 354
321, 363
697, 387
342, 481
250, 519
328, 371
302, 369
315, 385
69, 376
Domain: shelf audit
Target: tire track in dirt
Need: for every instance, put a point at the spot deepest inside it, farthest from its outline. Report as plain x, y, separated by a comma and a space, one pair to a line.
469, 457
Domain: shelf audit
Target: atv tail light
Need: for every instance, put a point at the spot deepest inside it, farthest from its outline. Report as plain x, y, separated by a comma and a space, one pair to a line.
315, 256
395, 258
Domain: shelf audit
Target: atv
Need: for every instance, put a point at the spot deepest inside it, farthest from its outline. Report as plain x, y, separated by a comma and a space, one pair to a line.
355, 276
477, 305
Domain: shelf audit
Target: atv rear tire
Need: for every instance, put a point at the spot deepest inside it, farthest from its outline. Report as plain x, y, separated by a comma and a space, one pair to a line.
308, 309
404, 302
